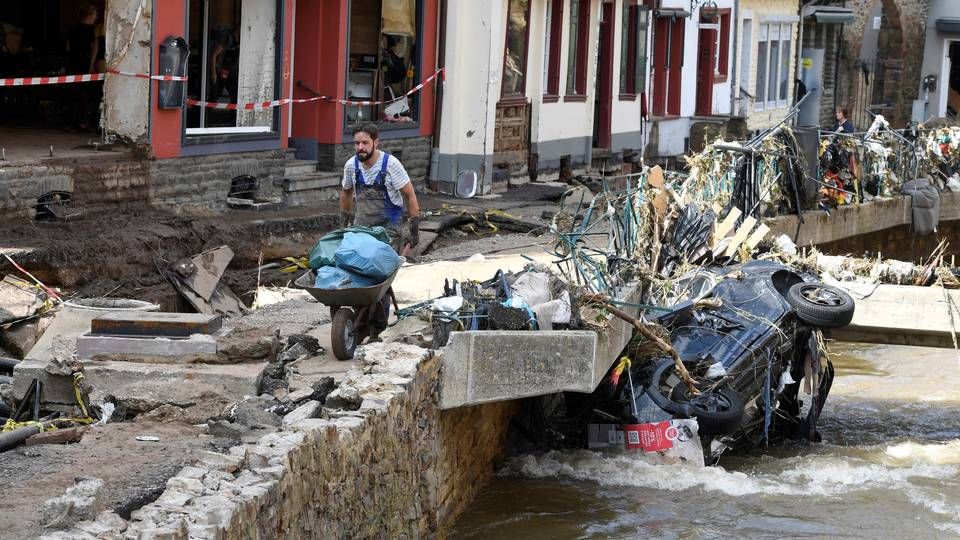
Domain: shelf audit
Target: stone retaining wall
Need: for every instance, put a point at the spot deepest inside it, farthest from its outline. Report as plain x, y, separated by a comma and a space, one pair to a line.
388, 464
118, 183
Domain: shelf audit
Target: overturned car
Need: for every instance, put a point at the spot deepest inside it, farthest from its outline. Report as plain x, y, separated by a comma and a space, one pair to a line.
750, 338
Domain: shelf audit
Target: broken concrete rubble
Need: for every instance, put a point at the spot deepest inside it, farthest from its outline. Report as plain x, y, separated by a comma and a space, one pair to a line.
19, 299
81, 502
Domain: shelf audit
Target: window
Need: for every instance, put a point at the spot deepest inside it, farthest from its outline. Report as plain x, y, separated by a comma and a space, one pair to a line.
233, 60
383, 61
773, 65
722, 67
633, 48
551, 53
577, 47
515, 51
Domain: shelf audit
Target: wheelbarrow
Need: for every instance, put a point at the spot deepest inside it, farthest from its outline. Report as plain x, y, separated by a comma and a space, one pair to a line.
351, 310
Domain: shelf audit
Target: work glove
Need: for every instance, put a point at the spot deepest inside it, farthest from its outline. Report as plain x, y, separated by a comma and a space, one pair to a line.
413, 235
346, 218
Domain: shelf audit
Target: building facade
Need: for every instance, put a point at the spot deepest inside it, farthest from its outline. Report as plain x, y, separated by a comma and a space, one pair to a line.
939, 91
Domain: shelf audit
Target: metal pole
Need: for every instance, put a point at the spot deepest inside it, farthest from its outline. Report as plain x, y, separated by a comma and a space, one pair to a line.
203, 62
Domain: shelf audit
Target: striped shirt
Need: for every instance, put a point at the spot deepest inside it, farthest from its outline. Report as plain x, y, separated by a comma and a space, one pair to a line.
396, 177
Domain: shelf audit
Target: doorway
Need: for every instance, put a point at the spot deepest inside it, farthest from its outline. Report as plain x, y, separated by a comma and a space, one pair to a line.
603, 103
44, 38
706, 63
953, 80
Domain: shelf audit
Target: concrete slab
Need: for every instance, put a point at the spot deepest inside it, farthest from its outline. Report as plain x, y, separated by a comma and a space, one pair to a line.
154, 323
148, 384
903, 315
195, 348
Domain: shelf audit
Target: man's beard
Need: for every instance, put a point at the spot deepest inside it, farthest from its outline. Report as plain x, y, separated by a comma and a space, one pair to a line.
363, 156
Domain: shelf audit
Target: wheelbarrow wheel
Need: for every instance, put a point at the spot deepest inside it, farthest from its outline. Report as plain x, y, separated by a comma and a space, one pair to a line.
343, 340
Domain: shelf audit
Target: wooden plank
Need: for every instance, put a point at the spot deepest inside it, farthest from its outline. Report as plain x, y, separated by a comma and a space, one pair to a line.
740, 236
140, 323
210, 266
725, 226
757, 236
655, 178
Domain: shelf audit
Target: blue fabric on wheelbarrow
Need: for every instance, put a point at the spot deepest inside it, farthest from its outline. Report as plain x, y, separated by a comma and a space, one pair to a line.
331, 277
326, 248
367, 256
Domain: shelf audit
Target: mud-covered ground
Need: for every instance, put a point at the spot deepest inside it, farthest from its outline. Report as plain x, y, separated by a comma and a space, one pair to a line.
134, 472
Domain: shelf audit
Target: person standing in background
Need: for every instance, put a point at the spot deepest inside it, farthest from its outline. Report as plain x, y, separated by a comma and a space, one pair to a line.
82, 51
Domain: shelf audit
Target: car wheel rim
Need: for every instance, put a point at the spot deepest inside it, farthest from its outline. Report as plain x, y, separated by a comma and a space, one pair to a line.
822, 296
711, 402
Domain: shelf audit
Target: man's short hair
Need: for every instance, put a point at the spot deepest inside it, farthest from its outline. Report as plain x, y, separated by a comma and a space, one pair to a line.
369, 129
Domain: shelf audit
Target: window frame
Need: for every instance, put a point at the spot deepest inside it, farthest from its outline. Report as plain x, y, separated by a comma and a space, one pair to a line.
200, 137
418, 66
721, 71
579, 90
773, 71
554, 49
634, 53
522, 94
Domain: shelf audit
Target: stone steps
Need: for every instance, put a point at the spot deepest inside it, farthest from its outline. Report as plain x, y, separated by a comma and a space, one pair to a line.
307, 189
300, 166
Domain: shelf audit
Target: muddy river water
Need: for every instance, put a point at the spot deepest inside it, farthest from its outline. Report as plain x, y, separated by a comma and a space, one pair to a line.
889, 467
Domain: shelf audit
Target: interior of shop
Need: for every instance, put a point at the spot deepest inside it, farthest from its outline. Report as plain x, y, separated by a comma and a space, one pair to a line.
232, 60
383, 51
49, 38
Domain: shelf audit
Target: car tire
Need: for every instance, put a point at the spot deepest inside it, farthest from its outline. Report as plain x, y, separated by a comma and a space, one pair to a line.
821, 305
718, 412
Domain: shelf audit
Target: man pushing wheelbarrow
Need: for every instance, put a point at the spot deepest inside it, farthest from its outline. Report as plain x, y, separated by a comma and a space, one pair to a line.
378, 192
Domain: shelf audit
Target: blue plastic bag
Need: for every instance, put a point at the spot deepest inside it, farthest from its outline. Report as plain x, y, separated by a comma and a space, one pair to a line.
331, 277
323, 252
367, 256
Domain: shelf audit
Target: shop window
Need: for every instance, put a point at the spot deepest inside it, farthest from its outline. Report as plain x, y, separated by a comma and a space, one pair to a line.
578, 43
551, 56
515, 50
233, 60
633, 48
383, 60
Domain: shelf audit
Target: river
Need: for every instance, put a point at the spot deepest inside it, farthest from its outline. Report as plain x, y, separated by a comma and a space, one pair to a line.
889, 467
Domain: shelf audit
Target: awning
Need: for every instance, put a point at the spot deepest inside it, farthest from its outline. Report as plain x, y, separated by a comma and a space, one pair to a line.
830, 14
672, 13
948, 25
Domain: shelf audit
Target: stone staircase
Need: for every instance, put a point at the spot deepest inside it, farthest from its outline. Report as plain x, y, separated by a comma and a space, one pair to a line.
304, 185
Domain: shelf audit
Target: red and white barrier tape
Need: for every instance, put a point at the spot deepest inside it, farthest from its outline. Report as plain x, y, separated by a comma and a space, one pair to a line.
88, 77
279, 102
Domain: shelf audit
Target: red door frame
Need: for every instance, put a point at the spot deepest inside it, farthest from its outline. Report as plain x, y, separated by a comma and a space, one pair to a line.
706, 59
604, 111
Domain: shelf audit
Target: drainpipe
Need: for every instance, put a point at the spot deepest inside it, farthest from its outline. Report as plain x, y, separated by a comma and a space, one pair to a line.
434, 173
734, 73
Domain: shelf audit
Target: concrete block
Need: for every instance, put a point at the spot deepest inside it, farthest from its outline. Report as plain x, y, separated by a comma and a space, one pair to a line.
486, 366
193, 348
